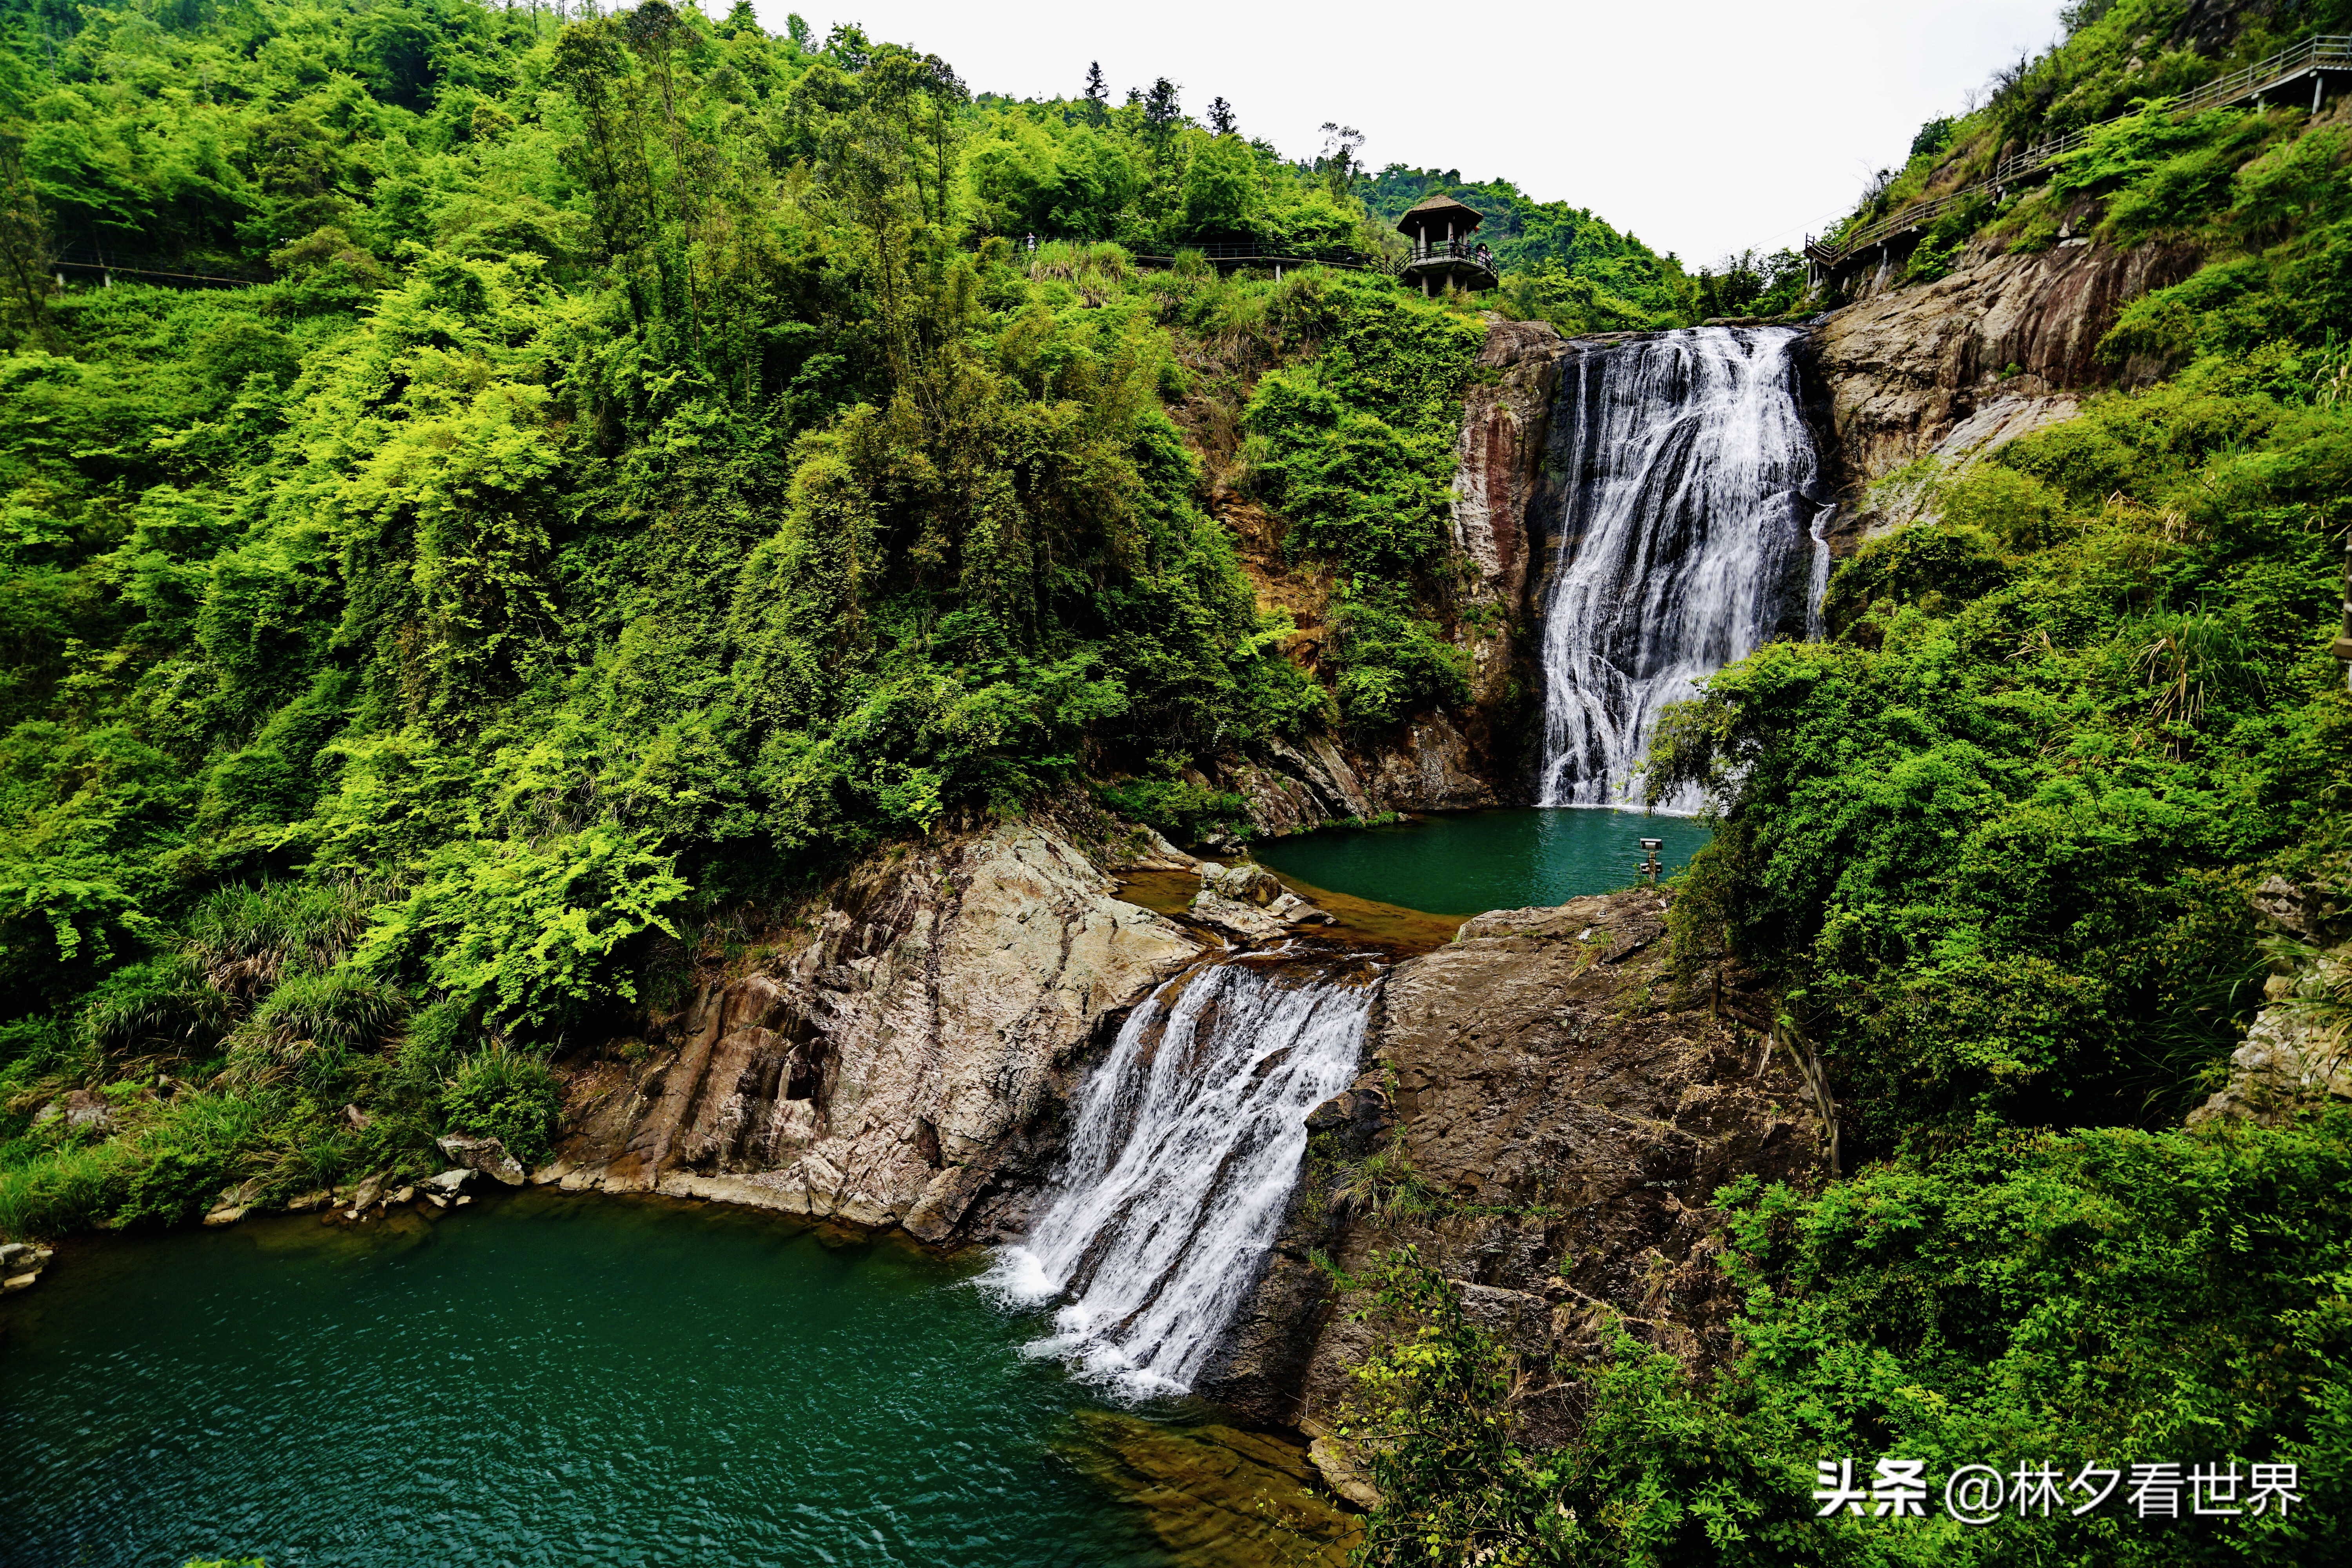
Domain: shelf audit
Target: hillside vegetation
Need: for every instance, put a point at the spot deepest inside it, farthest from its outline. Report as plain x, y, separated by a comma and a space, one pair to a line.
1994, 843
653, 463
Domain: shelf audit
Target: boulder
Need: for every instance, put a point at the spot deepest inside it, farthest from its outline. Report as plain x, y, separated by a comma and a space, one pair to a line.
486, 1155
1292, 910
1335, 1459
242, 1195
449, 1181
85, 1110
370, 1190
2295, 1054
17, 1282
228, 1215
12, 1250
1235, 919
1245, 884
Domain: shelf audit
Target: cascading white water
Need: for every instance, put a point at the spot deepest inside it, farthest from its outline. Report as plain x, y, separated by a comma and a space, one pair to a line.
1817, 581
1186, 1143
1682, 461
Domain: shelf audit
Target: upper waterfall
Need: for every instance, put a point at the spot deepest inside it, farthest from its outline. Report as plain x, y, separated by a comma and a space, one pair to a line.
1682, 464
1185, 1144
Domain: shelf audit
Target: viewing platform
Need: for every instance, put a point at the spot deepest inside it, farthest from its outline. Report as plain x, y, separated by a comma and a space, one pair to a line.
1443, 250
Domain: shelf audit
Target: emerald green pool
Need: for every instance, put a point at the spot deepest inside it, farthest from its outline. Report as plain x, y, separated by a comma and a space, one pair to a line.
543, 1379
1463, 863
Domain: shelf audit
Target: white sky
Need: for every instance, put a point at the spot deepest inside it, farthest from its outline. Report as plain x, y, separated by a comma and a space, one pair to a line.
1704, 126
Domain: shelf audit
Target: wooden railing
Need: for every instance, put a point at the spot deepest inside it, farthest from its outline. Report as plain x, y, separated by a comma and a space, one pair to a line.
2318, 52
1451, 250
1256, 253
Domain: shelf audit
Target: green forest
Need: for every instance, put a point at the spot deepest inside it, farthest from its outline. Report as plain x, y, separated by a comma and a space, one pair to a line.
496, 508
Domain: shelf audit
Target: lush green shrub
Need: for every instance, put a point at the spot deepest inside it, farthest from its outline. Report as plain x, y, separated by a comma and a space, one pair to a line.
2100, 1298
1951, 562
1184, 810
313, 1025
529, 933
2010, 506
509, 1095
1391, 662
1356, 446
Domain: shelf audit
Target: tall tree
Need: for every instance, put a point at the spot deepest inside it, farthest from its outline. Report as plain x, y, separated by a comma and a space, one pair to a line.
1338, 160
25, 247
1221, 117
1161, 113
1097, 94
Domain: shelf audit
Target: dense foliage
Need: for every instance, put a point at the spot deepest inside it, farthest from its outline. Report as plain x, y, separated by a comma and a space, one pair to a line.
2033, 1300
654, 461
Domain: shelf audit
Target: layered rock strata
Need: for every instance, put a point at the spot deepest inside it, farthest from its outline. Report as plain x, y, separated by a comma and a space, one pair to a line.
1554, 1109
1956, 368
900, 1059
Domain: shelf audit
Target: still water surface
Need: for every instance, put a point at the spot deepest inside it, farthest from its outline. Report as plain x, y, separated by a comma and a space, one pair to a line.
543, 1379
1463, 863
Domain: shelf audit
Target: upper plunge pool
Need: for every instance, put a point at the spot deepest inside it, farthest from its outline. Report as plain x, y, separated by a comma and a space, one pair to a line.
1465, 863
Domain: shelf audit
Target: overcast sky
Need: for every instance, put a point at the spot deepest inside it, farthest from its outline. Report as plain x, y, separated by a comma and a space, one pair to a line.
1704, 126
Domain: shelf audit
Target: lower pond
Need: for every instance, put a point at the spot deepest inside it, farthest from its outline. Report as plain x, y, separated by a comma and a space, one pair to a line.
549, 1379
1465, 863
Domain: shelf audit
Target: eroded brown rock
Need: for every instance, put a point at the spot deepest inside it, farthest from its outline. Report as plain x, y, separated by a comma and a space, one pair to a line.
1568, 1110
903, 1060
1506, 420
1957, 367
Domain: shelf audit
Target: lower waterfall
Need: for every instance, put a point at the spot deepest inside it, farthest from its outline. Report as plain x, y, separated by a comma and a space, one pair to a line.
1683, 463
1185, 1145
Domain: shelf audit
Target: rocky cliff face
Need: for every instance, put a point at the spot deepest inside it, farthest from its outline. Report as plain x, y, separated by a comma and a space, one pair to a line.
2298, 1051
1952, 369
1438, 761
1564, 1112
899, 1059
1498, 460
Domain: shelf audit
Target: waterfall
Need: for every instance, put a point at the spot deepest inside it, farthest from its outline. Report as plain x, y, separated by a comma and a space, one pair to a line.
1186, 1142
1682, 462
1817, 581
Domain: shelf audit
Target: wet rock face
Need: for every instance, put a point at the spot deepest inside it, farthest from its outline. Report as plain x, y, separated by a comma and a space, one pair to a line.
1929, 370
1565, 1110
903, 1066
1506, 421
